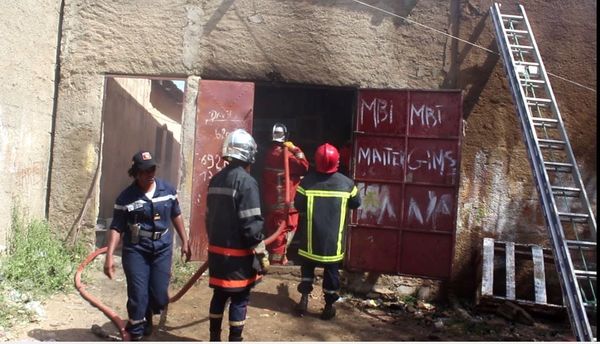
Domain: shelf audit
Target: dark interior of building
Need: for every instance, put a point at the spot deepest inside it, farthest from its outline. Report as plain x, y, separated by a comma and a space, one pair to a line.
313, 115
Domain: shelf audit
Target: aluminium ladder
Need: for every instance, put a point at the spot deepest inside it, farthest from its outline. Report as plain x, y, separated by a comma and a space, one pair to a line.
569, 217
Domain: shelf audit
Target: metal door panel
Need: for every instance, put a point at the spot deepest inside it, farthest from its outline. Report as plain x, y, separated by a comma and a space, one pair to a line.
379, 158
223, 106
406, 163
376, 249
426, 254
432, 161
429, 208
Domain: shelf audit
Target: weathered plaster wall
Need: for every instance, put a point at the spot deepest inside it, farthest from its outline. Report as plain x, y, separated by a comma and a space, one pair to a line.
28, 38
338, 43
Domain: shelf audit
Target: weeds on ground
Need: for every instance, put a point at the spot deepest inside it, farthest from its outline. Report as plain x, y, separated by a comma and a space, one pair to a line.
37, 261
182, 272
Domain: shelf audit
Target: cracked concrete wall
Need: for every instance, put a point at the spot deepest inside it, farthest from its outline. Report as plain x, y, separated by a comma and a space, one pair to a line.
28, 39
335, 43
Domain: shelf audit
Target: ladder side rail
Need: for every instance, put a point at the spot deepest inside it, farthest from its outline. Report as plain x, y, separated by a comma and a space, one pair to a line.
570, 290
561, 126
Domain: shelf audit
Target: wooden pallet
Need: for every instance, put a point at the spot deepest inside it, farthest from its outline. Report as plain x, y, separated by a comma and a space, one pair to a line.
488, 296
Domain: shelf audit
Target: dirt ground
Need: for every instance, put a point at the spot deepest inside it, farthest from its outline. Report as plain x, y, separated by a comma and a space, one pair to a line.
70, 318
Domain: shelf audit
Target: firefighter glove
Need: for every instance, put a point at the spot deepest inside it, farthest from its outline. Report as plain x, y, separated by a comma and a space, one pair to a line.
261, 258
289, 144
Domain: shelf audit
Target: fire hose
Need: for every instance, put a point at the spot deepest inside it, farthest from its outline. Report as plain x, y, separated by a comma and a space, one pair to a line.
114, 317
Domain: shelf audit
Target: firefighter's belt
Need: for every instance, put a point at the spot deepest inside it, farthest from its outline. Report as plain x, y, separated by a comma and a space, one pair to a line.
152, 235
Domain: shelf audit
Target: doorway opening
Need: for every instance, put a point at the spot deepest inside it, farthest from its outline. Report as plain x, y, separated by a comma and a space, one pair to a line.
138, 113
313, 115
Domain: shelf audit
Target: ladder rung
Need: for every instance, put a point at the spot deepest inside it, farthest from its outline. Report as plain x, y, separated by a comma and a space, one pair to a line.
545, 122
573, 217
578, 243
538, 101
584, 273
517, 31
532, 81
552, 144
565, 191
519, 46
525, 63
558, 166
511, 16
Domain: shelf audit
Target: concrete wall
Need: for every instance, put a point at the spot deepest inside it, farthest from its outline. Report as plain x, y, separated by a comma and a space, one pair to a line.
336, 43
28, 39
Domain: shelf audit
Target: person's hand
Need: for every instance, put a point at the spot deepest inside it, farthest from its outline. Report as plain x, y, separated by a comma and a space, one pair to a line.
109, 267
261, 258
186, 252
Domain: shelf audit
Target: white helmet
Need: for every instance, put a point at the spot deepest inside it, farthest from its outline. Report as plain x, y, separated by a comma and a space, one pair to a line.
280, 132
240, 145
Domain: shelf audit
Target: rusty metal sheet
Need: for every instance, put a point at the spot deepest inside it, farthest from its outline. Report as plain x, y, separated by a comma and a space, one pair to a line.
426, 254
223, 106
406, 165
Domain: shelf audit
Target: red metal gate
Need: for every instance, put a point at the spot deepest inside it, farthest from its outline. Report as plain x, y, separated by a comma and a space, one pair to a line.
406, 166
222, 107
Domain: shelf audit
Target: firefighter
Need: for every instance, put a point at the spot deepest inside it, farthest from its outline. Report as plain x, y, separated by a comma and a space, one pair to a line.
323, 199
142, 215
236, 252
273, 185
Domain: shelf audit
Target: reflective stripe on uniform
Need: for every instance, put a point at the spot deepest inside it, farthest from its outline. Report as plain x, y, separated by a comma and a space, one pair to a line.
131, 206
233, 283
307, 279
237, 323
324, 259
233, 252
164, 198
135, 322
249, 212
326, 291
215, 316
221, 191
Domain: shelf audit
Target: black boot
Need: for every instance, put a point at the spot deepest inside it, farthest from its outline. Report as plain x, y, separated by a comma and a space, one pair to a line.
215, 329
302, 306
235, 333
328, 312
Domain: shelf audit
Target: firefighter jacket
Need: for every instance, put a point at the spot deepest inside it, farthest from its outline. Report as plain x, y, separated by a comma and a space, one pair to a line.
323, 201
234, 225
273, 177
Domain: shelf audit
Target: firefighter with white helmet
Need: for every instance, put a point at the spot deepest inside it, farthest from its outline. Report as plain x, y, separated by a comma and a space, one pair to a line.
323, 199
235, 240
281, 153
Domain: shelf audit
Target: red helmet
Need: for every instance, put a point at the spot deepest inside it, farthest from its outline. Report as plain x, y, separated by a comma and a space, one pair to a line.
327, 158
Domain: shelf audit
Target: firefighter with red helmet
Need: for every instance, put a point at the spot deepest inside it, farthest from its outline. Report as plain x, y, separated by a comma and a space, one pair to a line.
277, 210
323, 199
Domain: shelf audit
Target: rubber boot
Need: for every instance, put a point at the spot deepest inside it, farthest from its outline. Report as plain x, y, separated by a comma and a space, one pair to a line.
302, 306
215, 329
328, 312
235, 333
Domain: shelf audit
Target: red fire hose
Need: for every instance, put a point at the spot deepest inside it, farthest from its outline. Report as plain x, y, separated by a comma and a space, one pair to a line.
112, 315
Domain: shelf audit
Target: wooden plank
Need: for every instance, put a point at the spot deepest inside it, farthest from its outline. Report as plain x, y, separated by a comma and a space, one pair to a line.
487, 283
539, 274
510, 270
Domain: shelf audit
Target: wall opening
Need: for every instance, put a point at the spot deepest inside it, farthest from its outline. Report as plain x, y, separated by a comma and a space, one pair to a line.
138, 113
312, 114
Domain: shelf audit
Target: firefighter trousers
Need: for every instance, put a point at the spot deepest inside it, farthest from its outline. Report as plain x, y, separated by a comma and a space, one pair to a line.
331, 279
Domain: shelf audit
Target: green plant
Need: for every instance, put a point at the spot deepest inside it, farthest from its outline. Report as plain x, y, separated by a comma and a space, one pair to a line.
182, 272
37, 261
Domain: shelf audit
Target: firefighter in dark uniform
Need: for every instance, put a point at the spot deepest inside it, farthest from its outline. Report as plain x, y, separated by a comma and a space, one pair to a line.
323, 199
236, 252
142, 215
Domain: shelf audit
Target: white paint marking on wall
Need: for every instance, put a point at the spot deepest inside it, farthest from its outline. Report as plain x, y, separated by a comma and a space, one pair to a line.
376, 202
380, 111
426, 116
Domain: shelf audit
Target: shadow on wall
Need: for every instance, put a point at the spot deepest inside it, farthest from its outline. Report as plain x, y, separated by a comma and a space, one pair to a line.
132, 124
474, 78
